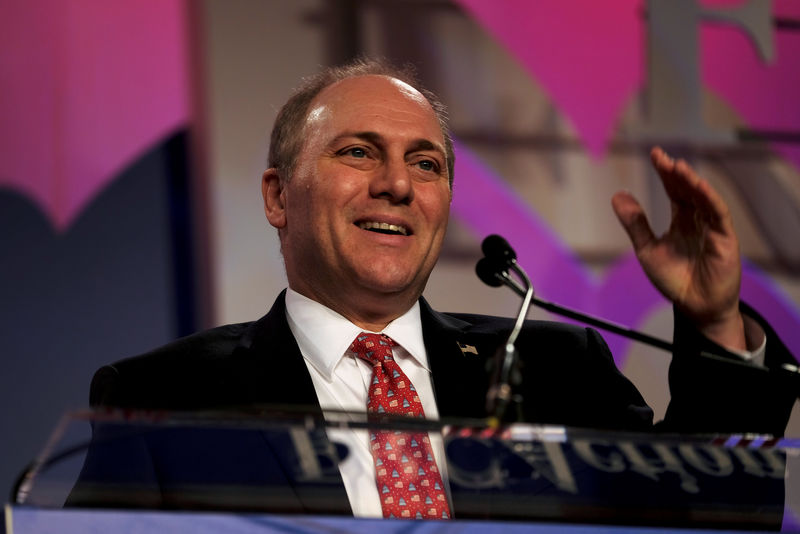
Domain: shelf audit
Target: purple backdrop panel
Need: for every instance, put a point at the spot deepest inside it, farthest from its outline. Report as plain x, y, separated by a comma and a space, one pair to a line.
87, 87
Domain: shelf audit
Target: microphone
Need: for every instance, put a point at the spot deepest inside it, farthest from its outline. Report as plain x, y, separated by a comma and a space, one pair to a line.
499, 258
489, 272
493, 269
496, 247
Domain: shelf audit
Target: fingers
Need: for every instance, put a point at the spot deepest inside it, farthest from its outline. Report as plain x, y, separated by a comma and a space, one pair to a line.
676, 175
632, 217
687, 190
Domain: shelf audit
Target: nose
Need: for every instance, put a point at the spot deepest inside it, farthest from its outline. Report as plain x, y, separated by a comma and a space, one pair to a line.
393, 181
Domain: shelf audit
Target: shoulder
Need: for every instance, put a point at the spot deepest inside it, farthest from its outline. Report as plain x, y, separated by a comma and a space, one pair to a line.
207, 345
544, 331
170, 372
568, 372
537, 337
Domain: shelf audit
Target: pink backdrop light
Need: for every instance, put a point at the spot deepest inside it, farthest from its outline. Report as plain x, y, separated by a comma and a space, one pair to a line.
86, 87
764, 95
589, 57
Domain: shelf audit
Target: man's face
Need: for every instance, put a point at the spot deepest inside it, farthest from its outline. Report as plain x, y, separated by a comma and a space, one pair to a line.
367, 207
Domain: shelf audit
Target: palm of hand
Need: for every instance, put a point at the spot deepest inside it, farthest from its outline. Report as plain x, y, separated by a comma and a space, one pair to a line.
696, 263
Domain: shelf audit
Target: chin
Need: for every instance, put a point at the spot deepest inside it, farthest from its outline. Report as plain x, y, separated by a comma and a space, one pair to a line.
388, 276
392, 285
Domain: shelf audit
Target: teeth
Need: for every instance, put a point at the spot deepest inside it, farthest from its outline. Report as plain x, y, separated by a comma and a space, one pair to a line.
370, 225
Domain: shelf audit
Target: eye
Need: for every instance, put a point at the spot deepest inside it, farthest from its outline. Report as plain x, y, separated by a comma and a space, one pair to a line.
356, 152
428, 165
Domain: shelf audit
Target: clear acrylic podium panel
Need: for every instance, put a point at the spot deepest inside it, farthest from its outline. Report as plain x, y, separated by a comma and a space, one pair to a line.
283, 462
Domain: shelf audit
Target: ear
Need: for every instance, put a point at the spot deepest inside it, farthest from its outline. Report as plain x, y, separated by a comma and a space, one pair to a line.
274, 202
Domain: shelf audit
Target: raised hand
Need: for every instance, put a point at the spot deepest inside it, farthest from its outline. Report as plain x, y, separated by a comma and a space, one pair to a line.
696, 262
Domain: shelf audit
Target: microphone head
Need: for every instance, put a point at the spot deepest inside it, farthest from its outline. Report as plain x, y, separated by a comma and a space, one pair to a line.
497, 248
487, 270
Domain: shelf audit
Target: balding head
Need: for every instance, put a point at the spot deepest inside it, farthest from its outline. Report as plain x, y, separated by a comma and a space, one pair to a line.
288, 132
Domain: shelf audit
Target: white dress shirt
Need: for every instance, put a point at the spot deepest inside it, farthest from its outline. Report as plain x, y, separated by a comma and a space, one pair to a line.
341, 381
756, 338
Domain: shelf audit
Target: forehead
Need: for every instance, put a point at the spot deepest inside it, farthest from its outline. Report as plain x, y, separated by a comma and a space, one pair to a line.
360, 101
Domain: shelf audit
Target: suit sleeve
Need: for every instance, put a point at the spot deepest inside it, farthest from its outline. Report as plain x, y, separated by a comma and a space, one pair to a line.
571, 379
104, 387
118, 471
709, 395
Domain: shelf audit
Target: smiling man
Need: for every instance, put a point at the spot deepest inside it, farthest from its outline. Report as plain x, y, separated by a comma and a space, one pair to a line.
359, 189
363, 211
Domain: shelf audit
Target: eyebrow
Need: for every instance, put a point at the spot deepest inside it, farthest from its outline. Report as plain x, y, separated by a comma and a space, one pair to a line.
377, 139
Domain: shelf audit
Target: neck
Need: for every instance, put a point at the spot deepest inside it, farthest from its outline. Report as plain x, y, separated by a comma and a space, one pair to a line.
369, 312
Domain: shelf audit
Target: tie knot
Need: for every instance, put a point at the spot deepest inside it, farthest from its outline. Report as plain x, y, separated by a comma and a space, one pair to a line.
374, 348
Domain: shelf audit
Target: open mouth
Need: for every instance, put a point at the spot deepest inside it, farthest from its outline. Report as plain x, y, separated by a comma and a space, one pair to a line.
383, 228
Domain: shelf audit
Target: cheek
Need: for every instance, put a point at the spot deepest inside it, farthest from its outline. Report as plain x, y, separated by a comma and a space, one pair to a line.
436, 206
321, 211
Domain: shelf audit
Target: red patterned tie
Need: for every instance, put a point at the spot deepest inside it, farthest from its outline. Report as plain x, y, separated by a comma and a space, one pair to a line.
409, 482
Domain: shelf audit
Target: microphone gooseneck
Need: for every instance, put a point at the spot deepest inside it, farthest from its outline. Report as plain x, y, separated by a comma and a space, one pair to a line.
493, 269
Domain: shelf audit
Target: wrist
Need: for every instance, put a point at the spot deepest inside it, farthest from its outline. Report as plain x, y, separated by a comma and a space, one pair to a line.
728, 332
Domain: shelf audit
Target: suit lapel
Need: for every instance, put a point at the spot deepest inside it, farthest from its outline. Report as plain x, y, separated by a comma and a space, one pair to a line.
269, 366
457, 354
271, 370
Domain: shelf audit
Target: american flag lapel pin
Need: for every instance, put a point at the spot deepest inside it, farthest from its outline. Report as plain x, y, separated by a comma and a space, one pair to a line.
465, 349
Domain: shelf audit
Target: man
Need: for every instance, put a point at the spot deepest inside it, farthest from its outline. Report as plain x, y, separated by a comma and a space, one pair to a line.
359, 189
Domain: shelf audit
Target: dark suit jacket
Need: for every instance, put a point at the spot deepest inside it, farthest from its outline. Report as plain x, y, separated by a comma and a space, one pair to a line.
568, 374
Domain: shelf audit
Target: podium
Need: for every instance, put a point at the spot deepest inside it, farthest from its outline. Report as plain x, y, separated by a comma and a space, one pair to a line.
276, 469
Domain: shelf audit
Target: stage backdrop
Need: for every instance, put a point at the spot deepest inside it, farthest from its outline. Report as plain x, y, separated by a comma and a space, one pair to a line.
133, 136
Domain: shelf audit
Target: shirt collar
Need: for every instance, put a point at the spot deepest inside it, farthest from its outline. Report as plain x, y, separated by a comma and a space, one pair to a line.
324, 336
